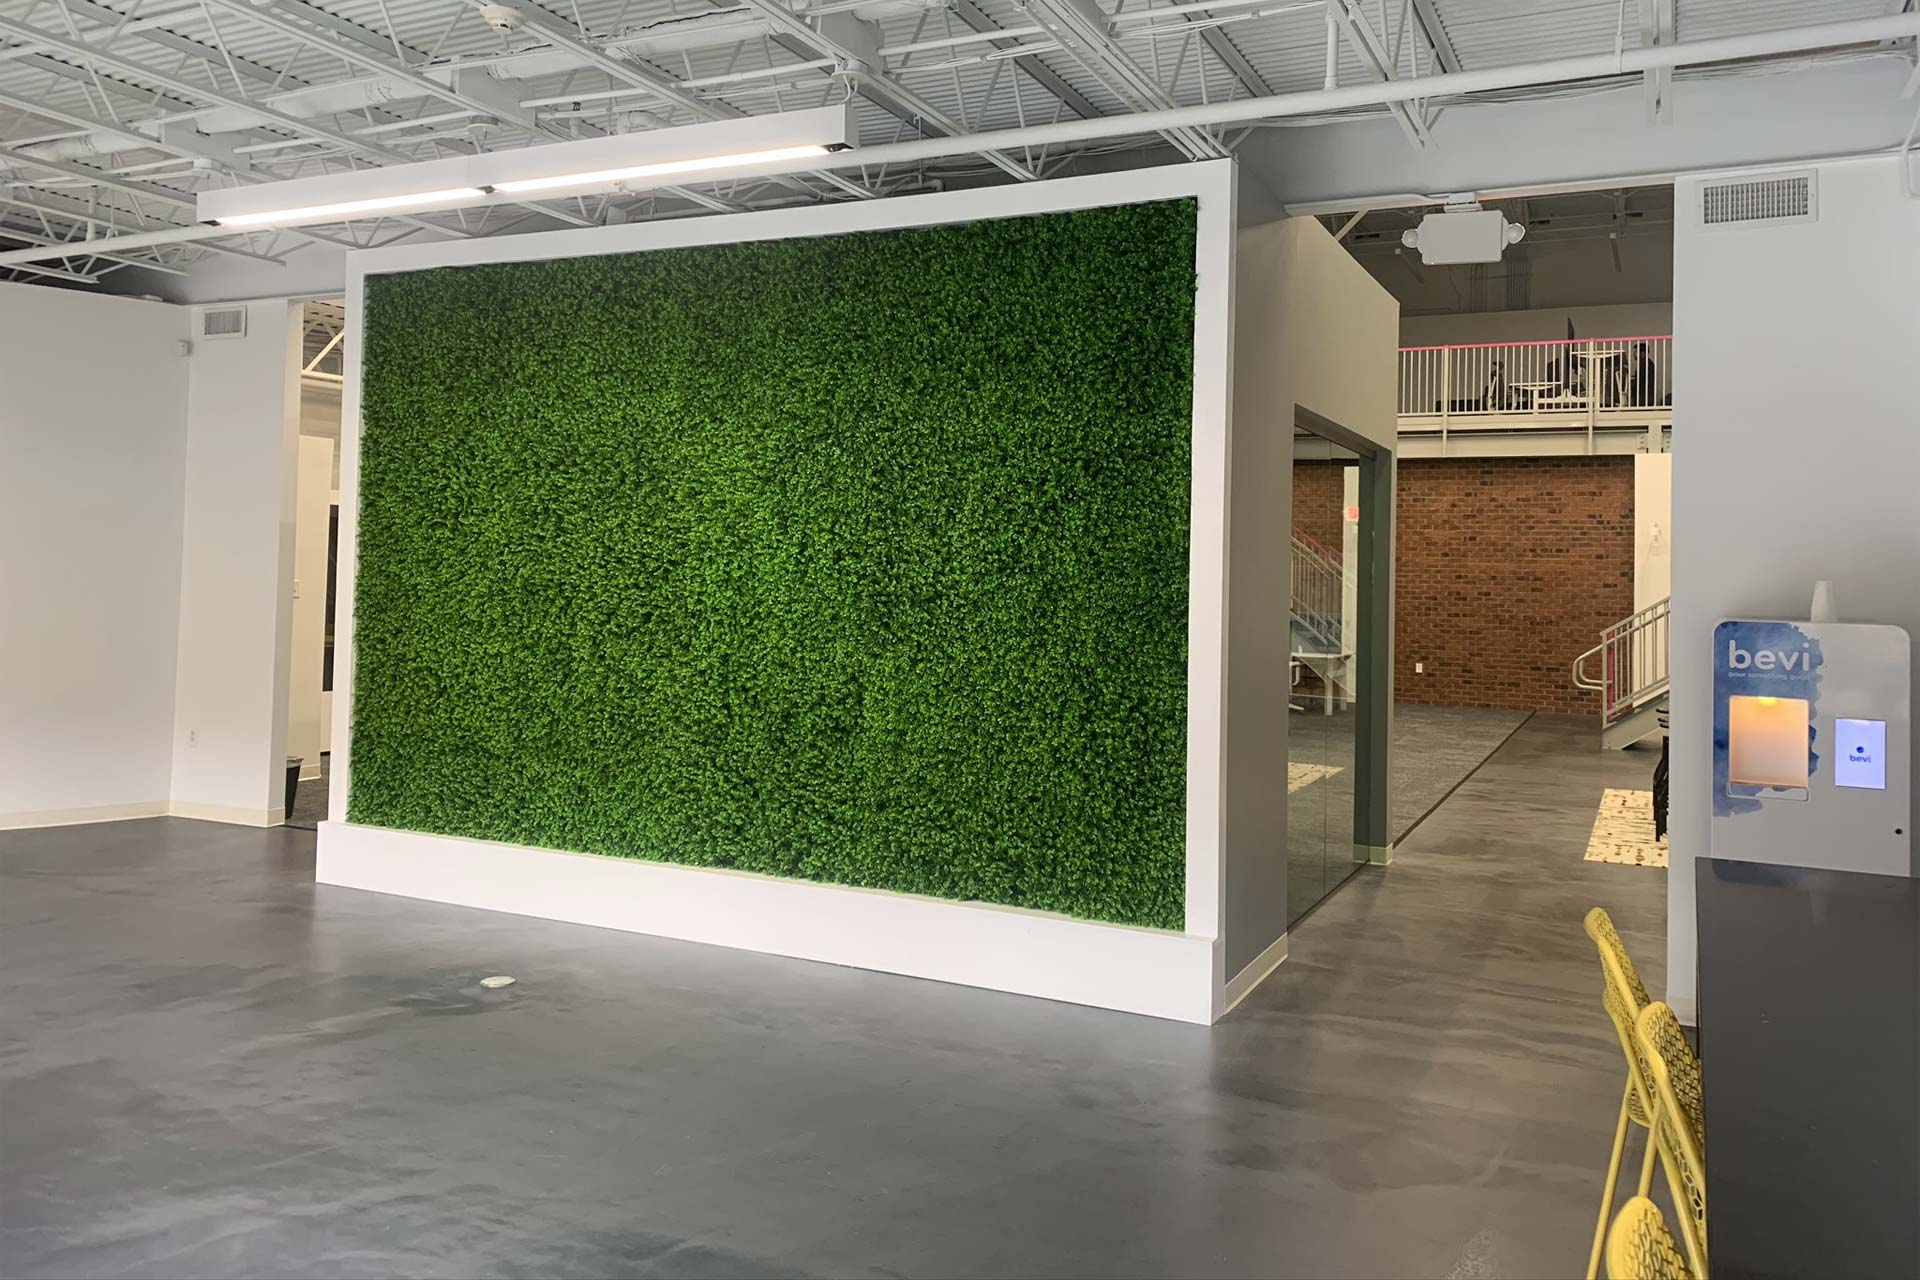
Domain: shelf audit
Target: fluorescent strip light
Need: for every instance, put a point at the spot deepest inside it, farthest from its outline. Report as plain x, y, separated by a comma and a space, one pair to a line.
601, 177
350, 208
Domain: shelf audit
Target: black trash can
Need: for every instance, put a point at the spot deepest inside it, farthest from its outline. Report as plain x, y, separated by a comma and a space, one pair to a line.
293, 782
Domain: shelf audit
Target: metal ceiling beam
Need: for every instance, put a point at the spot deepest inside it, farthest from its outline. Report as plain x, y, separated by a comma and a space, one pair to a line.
1375, 58
149, 99
856, 46
140, 71
109, 18
34, 237
132, 186
73, 118
348, 31
379, 62
186, 89
1231, 58
1086, 35
668, 89
198, 147
56, 273
146, 98
83, 218
1436, 32
1039, 72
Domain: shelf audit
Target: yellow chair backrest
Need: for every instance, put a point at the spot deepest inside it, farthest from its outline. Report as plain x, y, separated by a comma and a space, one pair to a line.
1607, 938
1674, 1071
1639, 1246
1624, 996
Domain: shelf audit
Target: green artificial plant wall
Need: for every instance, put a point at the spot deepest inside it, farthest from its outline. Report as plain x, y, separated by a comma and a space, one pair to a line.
860, 558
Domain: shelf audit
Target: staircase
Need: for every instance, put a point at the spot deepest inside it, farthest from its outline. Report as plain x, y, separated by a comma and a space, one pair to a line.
1632, 679
1318, 640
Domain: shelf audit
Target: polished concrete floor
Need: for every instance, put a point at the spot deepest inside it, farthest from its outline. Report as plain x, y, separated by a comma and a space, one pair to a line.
210, 1067
1434, 750
310, 797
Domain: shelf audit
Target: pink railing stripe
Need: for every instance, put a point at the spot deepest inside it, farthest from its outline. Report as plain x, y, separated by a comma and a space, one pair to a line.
1542, 342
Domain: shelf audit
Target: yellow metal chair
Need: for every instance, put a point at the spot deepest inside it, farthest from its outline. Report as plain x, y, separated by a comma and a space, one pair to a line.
1641, 1248
1668, 1062
1624, 996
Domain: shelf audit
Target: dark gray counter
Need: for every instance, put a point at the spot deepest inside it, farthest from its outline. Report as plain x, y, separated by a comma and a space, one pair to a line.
1810, 1044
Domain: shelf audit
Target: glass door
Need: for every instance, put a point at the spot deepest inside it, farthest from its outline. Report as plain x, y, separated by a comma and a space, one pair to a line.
1326, 664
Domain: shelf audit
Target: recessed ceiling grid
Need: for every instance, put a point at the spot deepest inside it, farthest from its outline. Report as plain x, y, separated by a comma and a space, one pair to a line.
115, 113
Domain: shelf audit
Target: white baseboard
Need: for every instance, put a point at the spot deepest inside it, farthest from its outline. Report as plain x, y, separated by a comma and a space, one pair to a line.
1243, 983
75, 817
228, 813
1148, 971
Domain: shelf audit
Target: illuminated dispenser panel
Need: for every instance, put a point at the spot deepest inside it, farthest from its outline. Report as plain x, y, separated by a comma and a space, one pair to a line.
1810, 738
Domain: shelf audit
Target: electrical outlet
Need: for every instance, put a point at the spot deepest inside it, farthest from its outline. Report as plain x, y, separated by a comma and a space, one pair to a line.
1419, 668
193, 737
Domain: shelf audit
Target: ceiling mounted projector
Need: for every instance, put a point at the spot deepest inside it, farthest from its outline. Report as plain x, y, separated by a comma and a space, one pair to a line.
1469, 234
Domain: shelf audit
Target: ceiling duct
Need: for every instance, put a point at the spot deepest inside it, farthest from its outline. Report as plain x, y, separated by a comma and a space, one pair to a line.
695, 31
87, 146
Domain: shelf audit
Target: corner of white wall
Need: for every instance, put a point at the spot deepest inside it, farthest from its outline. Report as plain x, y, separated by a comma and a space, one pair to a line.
230, 713
90, 513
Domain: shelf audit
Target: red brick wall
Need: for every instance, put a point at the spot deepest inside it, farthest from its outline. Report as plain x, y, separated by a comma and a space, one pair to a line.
1507, 570
1319, 497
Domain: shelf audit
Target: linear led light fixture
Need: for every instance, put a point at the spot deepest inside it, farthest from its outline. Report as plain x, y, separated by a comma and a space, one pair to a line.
735, 148
353, 208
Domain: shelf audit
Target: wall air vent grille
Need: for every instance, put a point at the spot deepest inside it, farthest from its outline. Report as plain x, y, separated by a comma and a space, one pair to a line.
1774, 198
223, 322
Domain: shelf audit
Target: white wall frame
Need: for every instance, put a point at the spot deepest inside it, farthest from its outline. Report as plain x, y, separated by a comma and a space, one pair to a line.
1178, 975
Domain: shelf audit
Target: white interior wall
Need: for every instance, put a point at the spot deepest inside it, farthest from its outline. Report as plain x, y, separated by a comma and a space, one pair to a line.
1311, 328
313, 495
320, 416
91, 458
1652, 528
230, 713
1541, 324
1798, 457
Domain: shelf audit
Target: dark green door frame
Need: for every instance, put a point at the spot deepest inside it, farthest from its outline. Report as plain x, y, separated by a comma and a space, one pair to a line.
1373, 708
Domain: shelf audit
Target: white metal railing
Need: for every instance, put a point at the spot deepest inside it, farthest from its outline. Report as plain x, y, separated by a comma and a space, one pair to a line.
1576, 378
1633, 662
1319, 583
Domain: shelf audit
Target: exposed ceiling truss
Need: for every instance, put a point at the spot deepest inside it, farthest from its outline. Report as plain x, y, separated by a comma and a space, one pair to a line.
115, 113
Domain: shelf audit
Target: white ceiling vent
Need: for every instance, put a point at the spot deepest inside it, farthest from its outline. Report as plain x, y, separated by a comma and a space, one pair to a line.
1767, 200
223, 322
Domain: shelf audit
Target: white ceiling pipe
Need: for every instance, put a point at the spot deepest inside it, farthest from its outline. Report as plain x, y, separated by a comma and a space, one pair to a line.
1558, 71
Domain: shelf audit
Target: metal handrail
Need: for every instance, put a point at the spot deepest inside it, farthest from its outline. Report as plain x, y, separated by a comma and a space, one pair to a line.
1577, 378
1318, 581
1633, 654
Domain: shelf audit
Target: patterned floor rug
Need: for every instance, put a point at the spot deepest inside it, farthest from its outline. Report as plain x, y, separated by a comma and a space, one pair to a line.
1623, 831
